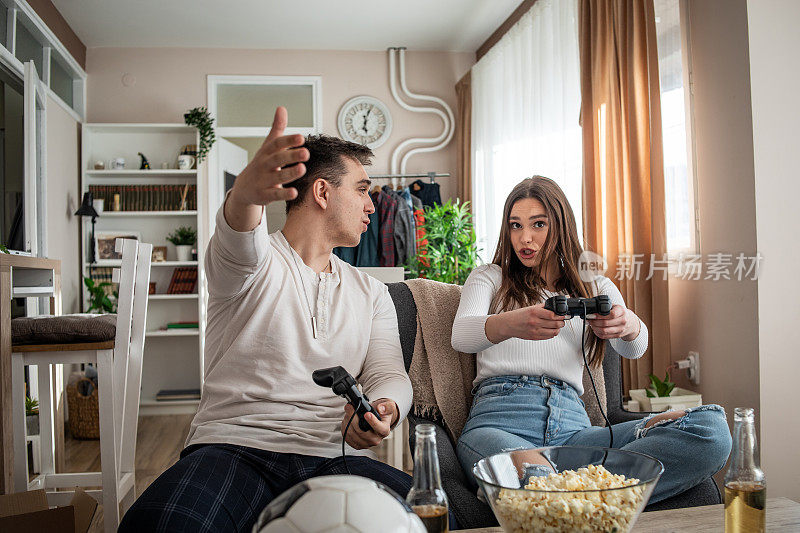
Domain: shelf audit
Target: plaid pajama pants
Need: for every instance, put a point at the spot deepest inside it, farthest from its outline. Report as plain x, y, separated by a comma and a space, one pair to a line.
222, 487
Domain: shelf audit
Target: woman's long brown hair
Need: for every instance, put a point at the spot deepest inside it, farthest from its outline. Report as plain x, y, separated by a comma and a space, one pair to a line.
523, 286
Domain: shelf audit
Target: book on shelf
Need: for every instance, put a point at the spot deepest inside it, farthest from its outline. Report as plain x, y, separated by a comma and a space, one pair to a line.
103, 274
148, 197
183, 325
184, 280
177, 394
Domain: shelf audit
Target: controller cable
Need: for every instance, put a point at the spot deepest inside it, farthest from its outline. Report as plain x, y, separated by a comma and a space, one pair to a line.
344, 457
588, 370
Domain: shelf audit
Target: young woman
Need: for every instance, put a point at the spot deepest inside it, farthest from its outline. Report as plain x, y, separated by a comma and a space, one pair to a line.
530, 363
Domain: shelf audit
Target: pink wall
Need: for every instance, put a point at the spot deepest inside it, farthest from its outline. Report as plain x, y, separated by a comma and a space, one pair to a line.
172, 80
719, 319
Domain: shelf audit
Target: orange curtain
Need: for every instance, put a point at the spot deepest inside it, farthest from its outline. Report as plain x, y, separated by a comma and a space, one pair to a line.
464, 137
623, 170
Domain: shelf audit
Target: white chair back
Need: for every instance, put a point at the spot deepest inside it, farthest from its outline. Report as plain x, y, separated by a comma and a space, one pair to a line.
134, 281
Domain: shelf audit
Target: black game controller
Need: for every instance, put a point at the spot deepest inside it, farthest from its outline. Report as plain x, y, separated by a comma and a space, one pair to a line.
561, 305
343, 384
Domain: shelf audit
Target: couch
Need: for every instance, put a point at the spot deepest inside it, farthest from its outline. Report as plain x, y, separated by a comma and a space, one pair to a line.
468, 510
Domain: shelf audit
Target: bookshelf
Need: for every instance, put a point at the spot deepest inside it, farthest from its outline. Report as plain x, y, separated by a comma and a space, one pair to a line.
173, 359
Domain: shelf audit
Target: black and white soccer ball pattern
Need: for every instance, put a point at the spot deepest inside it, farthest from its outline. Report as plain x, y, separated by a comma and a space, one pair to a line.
338, 504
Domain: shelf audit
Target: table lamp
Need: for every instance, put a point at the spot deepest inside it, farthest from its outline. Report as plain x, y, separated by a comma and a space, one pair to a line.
87, 210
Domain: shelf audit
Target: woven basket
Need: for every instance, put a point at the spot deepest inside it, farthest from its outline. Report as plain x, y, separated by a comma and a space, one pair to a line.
84, 412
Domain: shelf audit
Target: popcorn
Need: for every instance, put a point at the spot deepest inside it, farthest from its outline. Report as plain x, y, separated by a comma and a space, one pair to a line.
615, 510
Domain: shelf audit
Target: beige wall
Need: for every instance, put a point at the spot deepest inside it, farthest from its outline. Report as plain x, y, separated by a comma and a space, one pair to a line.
774, 78
63, 199
171, 81
719, 319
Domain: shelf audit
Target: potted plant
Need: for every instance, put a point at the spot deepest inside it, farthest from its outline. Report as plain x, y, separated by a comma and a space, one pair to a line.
200, 118
664, 395
449, 251
32, 415
184, 239
101, 298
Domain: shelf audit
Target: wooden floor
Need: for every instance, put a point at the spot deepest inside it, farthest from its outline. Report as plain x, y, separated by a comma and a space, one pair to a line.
159, 441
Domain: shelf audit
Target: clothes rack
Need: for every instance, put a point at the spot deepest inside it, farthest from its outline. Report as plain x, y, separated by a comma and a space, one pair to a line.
430, 175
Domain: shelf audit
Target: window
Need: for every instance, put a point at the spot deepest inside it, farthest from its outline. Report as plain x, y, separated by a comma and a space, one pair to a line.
28, 48
676, 128
525, 108
61, 82
254, 105
25, 37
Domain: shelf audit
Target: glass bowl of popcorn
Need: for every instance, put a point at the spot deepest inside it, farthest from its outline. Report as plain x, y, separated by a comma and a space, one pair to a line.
567, 488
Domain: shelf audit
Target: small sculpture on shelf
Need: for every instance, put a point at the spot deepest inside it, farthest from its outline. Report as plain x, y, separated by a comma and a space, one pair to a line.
145, 164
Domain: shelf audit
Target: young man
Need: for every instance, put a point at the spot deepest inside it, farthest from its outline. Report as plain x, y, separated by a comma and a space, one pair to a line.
281, 306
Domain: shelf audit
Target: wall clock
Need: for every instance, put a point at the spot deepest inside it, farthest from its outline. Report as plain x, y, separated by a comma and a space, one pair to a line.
365, 120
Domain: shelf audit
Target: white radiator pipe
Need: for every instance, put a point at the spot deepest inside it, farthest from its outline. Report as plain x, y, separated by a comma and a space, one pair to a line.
415, 109
449, 125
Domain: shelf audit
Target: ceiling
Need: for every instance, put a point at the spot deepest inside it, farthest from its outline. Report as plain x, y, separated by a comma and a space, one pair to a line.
443, 25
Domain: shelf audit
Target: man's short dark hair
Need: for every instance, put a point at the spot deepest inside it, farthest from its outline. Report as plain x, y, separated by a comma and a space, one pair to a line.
326, 161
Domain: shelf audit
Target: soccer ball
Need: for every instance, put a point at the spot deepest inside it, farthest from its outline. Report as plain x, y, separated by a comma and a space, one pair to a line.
338, 504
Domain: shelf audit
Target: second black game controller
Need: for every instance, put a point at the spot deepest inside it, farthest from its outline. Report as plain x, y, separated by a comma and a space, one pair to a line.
561, 305
343, 384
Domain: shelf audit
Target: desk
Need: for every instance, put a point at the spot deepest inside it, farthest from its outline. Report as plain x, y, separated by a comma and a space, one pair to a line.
25, 277
782, 515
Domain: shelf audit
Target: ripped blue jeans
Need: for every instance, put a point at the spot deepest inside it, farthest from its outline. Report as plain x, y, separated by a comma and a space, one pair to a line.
512, 412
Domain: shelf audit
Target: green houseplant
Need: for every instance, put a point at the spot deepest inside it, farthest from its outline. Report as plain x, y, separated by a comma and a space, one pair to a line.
449, 251
99, 298
658, 388
200, 118
183, 238
32, 415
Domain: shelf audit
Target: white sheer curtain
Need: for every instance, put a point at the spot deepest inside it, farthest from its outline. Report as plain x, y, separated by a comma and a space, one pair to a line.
525, 111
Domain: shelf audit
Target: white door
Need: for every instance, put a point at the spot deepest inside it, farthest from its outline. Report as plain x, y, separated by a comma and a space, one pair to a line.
231, 160
225, 162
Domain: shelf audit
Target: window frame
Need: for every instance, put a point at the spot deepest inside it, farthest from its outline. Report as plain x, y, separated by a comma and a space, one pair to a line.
19, 11
674, 254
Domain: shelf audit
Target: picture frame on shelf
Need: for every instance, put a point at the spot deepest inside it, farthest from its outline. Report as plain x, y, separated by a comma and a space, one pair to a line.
159, 254
104, 242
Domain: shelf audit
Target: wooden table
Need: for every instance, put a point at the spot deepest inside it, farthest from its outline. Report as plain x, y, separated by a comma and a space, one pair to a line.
782, 515
24, 277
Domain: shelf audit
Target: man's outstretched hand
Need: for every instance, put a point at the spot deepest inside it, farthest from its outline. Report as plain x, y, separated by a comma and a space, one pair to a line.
262, 181
380, 428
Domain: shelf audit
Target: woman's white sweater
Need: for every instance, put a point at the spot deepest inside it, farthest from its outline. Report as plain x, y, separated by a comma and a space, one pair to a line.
559, 357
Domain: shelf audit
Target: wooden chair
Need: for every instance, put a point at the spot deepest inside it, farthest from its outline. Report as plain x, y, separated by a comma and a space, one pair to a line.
119, 368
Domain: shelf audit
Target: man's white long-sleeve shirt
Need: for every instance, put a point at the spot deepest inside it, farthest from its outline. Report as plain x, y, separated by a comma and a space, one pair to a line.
260, 350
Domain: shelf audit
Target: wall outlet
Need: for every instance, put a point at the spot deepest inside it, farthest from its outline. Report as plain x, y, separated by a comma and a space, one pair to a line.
692, 366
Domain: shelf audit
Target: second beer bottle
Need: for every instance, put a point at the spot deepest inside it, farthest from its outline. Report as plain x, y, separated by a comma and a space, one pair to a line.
427, 497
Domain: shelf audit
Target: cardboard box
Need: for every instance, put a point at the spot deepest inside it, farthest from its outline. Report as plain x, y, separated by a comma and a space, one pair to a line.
28, 511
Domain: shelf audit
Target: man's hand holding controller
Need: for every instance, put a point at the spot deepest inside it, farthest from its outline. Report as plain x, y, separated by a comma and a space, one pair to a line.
360, 439
263, 179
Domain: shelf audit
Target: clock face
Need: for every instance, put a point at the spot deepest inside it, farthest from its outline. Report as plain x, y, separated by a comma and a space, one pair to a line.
365, 120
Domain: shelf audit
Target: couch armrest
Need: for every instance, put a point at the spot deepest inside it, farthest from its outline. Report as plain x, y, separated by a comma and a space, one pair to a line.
469, 511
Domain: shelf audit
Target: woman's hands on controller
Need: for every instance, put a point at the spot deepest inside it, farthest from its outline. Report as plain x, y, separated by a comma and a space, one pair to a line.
620, 323
533, 323
360, 440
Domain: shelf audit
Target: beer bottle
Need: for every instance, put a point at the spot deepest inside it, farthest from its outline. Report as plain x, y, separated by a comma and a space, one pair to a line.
745, 485
427, 497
